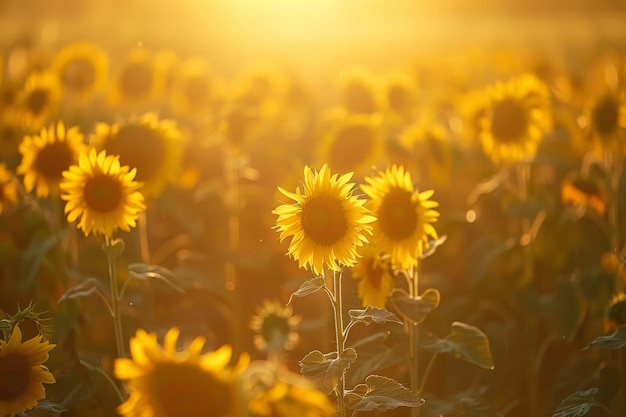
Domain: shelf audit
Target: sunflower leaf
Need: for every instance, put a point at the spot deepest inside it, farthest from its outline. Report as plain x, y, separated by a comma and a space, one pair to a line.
415, 309
577, 404
88, 287
464, 342
380, 393
433, 245
308, 287
50, 406
613, 341
36, 254
373, 314
326, 370
143, 271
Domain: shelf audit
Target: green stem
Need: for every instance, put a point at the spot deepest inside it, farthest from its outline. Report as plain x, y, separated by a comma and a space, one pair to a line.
429, 367
413, 340
115, 300
339, 338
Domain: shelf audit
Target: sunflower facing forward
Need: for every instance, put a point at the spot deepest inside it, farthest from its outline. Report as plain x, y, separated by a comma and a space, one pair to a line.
275, 327
404, 215
82, 68
47, 155
326, 222
102, 193
166, 382
22, 372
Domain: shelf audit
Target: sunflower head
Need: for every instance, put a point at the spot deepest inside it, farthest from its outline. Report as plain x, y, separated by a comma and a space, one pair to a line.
139, 78
325, 221
400, 94
47, 155
404, 215
168, 381
375, 279
153, 146
583, 191
286, 398
102, 193
616, 312
82, 68
22, 372
194, 87
38, 99
360, 91
275, 327
605, 117
8, 189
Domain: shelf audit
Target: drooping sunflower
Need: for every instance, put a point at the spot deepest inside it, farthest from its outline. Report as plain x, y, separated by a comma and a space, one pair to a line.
167, 382
102, 193
325, 221
139, 79
275, 327
286, 399
153, 146
405, 216
22, 372
82, 68
374, 274
38, 99
583, 191
8, 189
516, 119
47, 155
360, 91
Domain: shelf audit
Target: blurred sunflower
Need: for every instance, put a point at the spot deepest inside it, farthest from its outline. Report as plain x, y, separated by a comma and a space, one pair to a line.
194, 88
360, 91
471, 108
38, 99
155, 147
139, 79
275, 327
286, 399
400, 93
82, 68
604, 117
325, 221
404, 215
352, 143
11, 133
8, 189
616, 313
102, 193
47, 155
516, 119
166, 382
374, 274
582, 191
22, 372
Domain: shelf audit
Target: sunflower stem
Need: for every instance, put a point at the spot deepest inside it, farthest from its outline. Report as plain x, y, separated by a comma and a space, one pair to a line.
339, 337
413, 339
115, 300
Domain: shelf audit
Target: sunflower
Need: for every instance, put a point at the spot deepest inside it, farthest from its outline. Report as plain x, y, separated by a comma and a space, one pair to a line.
47, 155
582, 191
8, 189
375, 279
138, 79
153, 146
262, 86
275, 327
38, 99
102, 193
360, 91
352, 143
516, 119
326, 222
22, 372
82, 68
404, 215
400, 94
167, 382
286, 399
194, 87
604, 117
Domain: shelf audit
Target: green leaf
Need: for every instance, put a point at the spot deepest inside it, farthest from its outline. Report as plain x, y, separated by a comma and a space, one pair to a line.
143, 271
577, 404
50, 406
326, 370
415, 309
36, 254
5, 324
308, 287
115, 248
380, 393
103, 388
464, 342
86, 288
614, 341
433, 245
373, 314
375, 354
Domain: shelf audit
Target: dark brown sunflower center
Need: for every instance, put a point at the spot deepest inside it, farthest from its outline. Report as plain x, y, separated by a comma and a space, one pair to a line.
103, 193
274, 327
79, 74
374, 273
605, 116
350, 148
508, 121
139, 147
398, 98
136, 80
196, 91
37, 101
397, 216
358, 98
181, 390
324, 220
14, 377
53, 159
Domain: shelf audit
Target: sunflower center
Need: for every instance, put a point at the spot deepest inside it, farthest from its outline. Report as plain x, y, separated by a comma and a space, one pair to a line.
136, 80
398, 99
79, 74
103, 193
275, 329
181, 390
53, 159
324, 220
37, 101
14, 377
605, 116
397, 215
196, 91
350, 148
139, 147
508, 122
359, 99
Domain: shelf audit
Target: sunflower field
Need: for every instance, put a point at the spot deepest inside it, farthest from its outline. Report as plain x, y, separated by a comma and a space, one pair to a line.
315, 208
